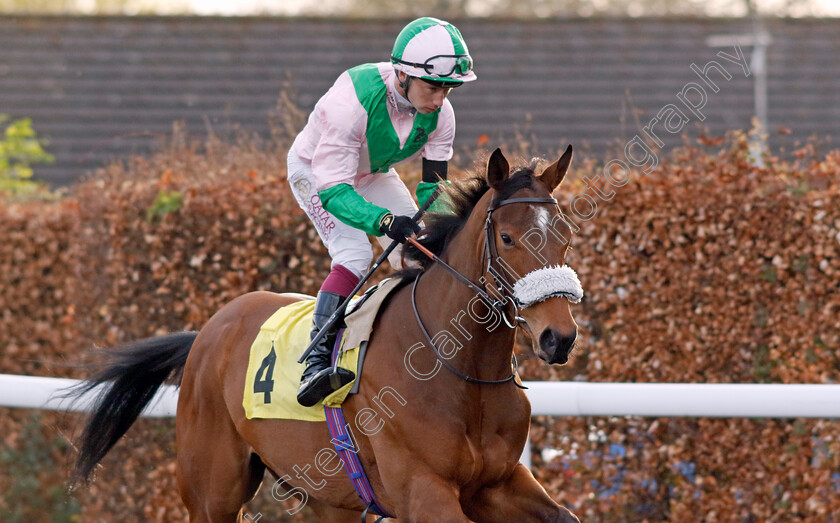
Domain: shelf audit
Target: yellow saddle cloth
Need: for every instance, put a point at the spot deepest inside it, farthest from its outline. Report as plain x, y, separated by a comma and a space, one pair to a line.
273, 374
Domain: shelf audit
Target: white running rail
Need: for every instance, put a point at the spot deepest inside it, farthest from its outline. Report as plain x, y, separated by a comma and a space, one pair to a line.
45, 393
548, 398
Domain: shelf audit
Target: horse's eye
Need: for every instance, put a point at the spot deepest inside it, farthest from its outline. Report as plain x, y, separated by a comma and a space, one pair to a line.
506, 239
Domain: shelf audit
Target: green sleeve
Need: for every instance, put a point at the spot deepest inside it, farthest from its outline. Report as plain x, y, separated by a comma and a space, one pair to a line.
343, 202
424, 191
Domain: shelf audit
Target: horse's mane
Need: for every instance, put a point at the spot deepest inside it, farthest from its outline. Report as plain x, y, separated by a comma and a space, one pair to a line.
462, 197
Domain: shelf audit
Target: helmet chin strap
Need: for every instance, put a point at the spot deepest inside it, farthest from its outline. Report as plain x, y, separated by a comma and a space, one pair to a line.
405, 84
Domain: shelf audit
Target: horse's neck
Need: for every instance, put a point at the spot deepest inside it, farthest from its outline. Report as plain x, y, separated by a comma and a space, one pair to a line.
446, 304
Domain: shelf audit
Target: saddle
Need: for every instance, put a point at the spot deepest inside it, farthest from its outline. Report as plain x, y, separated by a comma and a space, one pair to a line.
273, 373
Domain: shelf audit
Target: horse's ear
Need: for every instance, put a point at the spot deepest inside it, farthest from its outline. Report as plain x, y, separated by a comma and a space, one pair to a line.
554, 173
498, 169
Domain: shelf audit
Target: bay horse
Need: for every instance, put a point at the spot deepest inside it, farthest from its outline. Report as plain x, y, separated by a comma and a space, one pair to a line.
436, 445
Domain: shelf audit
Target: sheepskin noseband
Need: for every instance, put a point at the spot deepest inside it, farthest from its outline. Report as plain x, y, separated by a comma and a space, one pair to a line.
541, 284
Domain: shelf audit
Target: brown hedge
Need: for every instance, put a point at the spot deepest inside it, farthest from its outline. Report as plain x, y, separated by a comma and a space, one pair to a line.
709, 270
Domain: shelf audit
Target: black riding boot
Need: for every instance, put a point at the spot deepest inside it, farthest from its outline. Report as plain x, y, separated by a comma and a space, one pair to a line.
318, 381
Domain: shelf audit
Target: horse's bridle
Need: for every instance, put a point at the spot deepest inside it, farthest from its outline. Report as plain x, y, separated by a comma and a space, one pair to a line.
491, 254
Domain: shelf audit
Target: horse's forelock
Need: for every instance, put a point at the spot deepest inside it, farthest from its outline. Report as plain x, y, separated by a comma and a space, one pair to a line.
463, 197
520, 179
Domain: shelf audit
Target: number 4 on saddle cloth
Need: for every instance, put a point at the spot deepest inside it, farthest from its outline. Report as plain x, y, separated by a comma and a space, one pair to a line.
273, 374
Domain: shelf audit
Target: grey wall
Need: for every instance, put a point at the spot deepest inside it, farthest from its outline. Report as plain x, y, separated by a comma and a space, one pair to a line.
105, 87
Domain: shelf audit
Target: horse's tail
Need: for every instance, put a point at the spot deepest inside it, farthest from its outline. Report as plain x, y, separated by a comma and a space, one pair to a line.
135, 372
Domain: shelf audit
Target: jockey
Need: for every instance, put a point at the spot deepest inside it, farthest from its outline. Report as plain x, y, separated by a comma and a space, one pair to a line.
340, 166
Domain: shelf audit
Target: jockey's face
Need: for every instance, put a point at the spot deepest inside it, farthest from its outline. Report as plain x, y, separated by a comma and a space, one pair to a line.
426, 98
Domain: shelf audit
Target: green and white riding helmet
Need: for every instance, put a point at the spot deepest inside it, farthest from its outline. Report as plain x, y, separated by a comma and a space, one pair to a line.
435, 51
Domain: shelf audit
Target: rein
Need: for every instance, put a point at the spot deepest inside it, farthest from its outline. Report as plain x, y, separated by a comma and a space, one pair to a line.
443, 360
492, 255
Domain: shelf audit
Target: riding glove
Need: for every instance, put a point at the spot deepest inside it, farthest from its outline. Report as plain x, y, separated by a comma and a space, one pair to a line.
398, 228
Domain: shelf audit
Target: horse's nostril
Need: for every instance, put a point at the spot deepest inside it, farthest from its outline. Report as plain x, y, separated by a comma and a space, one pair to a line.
557, 346
549, 340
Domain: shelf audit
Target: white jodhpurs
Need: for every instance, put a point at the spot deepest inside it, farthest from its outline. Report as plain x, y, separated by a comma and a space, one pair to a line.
347, 245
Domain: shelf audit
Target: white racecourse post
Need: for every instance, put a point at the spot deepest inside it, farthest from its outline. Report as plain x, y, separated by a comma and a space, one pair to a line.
548, 398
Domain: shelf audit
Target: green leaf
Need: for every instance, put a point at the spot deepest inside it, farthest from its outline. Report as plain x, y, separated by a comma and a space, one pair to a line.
165, 202
19, 150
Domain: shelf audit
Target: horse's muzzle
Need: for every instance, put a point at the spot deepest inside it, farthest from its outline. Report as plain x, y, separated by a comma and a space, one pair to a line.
555, 346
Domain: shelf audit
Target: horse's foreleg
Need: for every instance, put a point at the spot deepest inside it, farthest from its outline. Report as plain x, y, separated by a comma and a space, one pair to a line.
429, 498
521, 498
332, 514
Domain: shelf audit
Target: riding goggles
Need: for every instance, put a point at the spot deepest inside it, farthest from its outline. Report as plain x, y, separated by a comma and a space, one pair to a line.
443, 65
